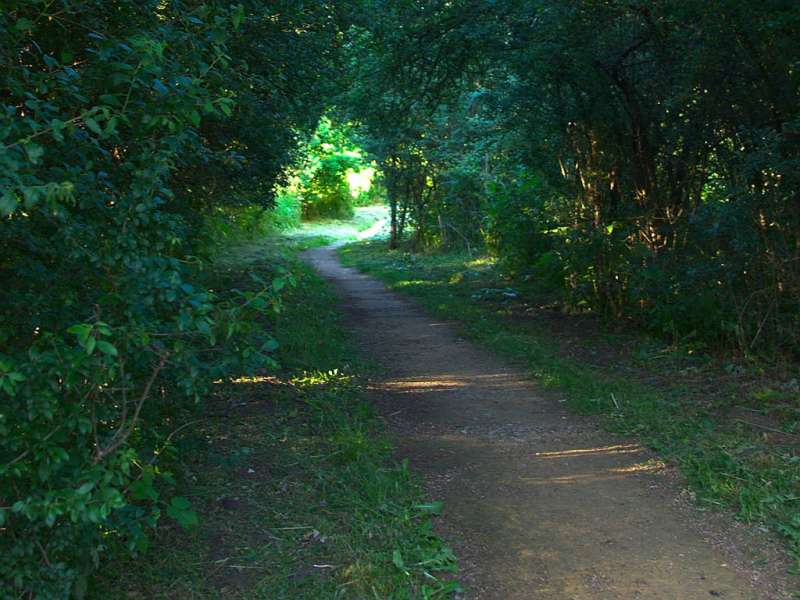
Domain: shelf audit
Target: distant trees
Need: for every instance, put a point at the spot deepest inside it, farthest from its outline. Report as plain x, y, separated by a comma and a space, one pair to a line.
643, 156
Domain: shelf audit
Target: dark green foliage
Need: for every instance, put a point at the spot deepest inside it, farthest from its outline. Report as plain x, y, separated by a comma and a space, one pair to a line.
643, 153
124, 127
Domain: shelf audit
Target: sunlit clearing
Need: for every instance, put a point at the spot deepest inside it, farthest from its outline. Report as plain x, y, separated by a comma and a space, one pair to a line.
360, 182
618, 449
376, 229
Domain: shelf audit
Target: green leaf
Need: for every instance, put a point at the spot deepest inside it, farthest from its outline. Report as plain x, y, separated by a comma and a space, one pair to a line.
85, 488
90, 344
432, 508
93, 125
8, 203
398, 561
143, 489
160, 87
224, 106
180, 509
111, 126
107, 348
34, 152
237, 17
83, 331
31, 196
24, 24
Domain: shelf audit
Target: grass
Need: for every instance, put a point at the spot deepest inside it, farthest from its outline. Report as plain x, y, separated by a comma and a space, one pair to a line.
292, 477
323, 231
682, 406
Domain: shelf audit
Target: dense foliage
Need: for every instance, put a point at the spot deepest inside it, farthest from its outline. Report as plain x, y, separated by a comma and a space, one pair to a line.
331, 176
125, 126
641, 156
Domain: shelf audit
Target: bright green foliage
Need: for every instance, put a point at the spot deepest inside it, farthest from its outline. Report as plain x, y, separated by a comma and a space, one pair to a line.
122, 123
321, 180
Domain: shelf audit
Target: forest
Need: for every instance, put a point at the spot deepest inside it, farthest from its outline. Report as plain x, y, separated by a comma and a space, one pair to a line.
637, 161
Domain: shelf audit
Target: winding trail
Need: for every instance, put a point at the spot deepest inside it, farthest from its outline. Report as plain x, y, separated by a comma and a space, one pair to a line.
539, 503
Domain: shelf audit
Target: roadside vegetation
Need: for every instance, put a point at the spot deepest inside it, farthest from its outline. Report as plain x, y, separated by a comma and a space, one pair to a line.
289, 473
732, 428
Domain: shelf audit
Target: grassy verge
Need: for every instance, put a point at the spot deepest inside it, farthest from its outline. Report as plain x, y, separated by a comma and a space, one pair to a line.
735, 439
322, 231
291, 477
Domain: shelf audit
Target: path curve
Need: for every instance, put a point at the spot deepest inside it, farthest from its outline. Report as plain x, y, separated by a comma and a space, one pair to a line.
539, 503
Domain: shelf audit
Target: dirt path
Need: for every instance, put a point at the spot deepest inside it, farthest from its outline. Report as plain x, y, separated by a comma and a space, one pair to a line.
539, 503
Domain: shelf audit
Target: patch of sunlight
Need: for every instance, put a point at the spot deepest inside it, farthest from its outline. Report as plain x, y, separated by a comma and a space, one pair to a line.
412, 282
420, 283
368, 222
575, 479
482, 261
321, 378
617, 449
445, 382
649, 466
418, 385
377, 228
360, 182
254, 379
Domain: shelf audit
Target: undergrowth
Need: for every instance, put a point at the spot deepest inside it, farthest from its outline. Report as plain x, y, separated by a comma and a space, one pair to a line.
291, 476
728, 462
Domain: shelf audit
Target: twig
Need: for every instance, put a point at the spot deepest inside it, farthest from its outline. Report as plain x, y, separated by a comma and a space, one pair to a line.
28, 451
772, 429
125, 429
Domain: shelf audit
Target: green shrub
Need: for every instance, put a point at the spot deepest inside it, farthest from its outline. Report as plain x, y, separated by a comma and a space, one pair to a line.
129, 133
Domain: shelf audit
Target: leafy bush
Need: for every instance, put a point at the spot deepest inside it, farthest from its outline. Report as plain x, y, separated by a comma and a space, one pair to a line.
327, 193
286, 213
322, 180
130, 132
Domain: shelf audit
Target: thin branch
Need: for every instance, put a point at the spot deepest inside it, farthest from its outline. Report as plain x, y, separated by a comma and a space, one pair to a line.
125, 429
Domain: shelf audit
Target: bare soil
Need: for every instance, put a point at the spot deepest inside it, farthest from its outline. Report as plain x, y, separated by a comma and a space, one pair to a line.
540, 503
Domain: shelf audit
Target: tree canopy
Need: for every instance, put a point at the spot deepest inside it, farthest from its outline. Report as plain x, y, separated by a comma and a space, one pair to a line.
643, 156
